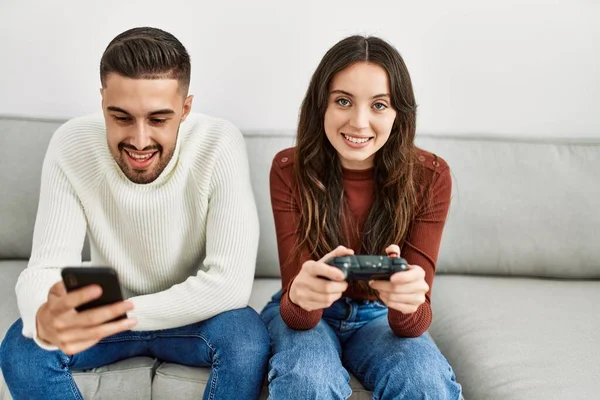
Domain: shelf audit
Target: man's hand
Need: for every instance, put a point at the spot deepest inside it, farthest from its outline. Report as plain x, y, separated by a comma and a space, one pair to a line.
310, 291
59, 324
405, 291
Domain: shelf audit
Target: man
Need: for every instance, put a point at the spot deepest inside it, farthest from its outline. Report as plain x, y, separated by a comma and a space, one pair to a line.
169, 205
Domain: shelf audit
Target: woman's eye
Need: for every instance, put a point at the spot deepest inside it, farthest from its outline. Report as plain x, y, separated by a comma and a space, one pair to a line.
379, 106
343, 102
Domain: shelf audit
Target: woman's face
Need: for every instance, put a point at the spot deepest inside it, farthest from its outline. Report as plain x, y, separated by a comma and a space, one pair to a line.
359, 115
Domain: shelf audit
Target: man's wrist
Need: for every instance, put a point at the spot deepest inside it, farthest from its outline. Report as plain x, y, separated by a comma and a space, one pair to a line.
38, 333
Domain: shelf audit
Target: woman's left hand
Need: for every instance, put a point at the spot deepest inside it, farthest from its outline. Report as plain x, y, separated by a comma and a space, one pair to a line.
405, 291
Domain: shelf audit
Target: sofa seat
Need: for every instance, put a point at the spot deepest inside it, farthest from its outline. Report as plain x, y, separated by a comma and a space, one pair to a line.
189, 383
506, 338
519, 338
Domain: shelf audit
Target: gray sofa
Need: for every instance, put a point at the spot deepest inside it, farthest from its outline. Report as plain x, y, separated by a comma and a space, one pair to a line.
516, 301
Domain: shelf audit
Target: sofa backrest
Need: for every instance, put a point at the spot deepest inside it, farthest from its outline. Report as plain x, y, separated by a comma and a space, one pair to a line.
23, 144
526, 207
519, 207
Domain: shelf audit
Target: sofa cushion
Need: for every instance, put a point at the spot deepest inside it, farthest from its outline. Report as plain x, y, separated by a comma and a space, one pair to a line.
518, 338
20, 181
189, 383
129, 379
524, 207
9, 312
125, 379
262, 291
261, 150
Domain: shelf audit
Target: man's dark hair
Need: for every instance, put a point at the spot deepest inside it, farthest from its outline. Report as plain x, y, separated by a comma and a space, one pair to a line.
146, 53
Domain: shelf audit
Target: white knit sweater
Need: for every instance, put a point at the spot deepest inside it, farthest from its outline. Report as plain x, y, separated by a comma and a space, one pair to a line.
184, 245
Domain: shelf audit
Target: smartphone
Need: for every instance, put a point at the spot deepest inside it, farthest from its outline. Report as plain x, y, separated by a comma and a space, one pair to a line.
106, 277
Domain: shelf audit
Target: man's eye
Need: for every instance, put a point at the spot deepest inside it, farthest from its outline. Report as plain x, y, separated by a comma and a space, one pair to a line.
120, 119
343, 102
158, 121
379, 106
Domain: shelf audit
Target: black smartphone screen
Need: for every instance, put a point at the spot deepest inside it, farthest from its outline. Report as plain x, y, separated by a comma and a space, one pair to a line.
78, 277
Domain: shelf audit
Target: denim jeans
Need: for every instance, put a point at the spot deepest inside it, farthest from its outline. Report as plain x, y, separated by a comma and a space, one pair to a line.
354, 336
235, 344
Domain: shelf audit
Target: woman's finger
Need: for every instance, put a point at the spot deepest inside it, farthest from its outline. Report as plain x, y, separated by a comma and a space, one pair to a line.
393, 250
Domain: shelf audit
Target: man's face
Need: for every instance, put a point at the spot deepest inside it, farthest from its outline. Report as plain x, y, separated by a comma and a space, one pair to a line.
142, 122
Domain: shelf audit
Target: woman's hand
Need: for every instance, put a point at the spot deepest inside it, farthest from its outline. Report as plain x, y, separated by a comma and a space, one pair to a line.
310, 291
405, 291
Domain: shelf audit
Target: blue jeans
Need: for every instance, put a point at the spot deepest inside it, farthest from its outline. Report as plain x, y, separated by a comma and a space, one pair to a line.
235, 344
354, 336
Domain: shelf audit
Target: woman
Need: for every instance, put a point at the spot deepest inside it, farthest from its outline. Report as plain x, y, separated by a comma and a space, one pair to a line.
356, 184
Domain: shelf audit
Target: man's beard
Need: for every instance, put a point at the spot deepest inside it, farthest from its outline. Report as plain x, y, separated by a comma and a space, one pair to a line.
144, 176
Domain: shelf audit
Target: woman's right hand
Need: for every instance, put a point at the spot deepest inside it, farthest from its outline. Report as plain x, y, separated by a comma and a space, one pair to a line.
311, 291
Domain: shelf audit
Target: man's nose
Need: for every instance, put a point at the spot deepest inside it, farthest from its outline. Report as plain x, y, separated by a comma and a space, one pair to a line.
140, 137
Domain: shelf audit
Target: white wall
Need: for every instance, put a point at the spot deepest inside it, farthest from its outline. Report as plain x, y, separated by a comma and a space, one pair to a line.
506, 67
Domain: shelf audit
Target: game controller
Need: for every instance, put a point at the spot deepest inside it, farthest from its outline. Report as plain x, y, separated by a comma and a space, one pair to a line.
365, 267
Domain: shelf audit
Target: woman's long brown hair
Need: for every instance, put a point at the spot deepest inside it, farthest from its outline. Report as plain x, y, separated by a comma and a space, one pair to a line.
318, 170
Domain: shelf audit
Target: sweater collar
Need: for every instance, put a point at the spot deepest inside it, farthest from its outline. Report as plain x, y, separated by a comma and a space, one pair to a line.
357, 174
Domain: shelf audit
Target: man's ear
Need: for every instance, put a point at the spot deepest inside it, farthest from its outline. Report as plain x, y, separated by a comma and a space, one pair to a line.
187, 107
